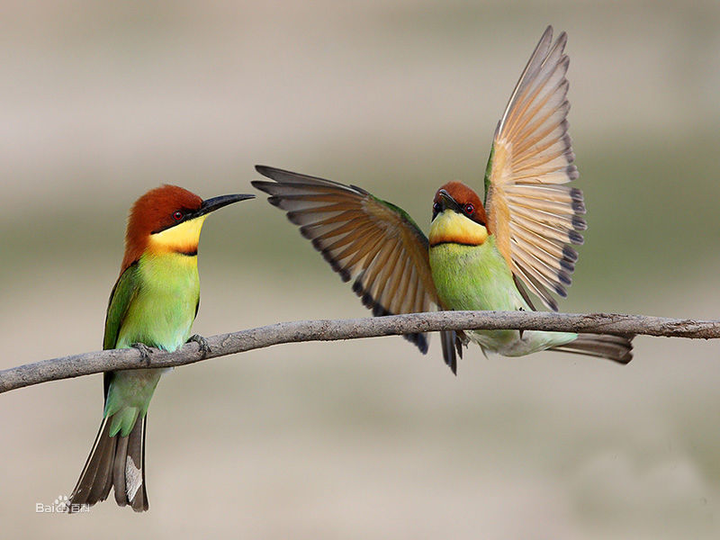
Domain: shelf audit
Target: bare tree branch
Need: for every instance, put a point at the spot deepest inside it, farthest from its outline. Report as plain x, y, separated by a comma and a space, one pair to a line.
331, 330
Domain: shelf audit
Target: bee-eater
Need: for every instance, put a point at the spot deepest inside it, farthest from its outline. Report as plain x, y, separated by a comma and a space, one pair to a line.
153, 304
473, 259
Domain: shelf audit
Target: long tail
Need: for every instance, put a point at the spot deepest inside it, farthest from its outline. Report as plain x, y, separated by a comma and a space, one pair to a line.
615, 348
114, 461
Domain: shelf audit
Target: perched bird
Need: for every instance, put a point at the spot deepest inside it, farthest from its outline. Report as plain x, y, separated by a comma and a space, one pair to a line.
477, 257
153, 304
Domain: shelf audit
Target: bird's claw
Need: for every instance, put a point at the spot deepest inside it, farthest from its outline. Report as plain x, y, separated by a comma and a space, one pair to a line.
203, 344
144, 350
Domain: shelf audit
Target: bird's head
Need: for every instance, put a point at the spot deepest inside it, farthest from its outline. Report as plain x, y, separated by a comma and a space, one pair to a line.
169, 219
458, 216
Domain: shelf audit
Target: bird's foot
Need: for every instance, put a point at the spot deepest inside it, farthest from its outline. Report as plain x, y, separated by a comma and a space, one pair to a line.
202, 344
145, 352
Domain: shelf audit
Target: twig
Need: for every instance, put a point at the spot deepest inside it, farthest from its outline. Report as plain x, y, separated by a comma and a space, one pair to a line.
331, 330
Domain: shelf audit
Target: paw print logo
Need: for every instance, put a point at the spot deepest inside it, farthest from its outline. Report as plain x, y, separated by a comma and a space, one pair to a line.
61, 503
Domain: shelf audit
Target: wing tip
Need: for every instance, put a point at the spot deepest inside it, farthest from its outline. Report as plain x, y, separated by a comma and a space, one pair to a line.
576, 238
334, 264
378, 310
276, 201
560, 291
283, 176
266, 170
569, 254
578, 223
262, 185
566, 265
419, 340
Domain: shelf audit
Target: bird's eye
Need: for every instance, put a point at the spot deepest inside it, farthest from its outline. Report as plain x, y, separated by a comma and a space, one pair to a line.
436, 208
469, 208
177, 215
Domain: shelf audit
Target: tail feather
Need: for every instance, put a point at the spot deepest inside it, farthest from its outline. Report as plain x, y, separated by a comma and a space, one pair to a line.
118, 470
92, 483
615, 348
135, 483
101, 482
117, 462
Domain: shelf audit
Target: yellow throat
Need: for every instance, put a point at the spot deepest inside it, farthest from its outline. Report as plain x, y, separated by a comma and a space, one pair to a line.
182, 238
451, 227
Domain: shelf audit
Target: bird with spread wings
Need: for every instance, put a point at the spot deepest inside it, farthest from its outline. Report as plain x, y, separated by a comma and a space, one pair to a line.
479, 255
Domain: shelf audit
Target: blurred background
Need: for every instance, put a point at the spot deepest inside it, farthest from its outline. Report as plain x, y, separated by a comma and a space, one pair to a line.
101, 101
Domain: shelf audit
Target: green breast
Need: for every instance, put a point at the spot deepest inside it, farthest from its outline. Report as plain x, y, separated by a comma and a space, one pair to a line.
163, 309
473, 277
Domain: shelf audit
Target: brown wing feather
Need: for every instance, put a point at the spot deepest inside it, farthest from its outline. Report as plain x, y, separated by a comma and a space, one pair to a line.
364, 239
533, 214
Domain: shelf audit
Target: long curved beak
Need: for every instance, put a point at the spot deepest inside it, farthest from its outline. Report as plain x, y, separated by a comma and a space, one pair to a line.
215, 203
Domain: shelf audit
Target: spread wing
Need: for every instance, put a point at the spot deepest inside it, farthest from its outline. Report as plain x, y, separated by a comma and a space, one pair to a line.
533, 213
367, 240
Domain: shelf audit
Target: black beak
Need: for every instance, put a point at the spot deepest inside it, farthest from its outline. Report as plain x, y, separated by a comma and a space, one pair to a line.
447, 202
210, 205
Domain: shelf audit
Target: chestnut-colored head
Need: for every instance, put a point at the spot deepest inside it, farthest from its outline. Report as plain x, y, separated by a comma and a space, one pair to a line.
458, 216
169, 219
160, 209
468, 202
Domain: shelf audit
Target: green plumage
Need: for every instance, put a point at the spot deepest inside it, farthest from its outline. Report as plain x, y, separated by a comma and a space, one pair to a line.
478, 278
154, 302
488, 172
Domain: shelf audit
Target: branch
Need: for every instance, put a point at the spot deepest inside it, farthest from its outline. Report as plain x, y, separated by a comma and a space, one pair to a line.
332, 330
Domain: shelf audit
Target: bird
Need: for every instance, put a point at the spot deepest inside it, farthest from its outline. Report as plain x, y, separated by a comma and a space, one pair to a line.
153, 304
479, 255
